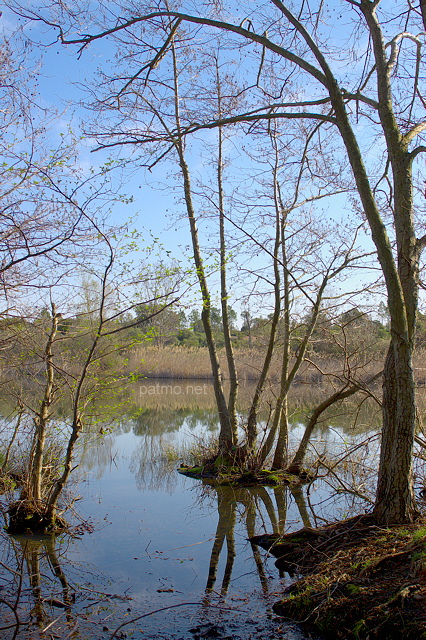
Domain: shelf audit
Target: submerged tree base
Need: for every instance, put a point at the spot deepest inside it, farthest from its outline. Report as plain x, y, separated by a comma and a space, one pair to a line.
28, 517
360, 580
234, 476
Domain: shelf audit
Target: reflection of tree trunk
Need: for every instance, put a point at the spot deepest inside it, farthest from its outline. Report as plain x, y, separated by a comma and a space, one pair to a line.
250, 524
32, 552
225, 528
280, 494
230, 557
299, 499
57, 570
276, 523
252, 499
33, 564
264, 496
214, 559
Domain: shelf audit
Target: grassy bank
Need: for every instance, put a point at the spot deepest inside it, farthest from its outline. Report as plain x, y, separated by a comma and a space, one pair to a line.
360, 581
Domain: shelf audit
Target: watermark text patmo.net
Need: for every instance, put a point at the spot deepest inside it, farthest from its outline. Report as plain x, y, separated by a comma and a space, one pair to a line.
173, 389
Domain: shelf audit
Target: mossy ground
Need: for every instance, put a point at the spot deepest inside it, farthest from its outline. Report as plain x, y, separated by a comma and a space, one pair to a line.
236, 477
359, 580
27, 517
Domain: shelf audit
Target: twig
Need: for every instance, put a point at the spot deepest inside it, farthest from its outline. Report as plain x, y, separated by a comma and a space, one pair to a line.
53, 622
173, 606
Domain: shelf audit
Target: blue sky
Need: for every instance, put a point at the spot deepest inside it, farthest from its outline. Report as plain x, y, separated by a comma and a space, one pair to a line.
157, 199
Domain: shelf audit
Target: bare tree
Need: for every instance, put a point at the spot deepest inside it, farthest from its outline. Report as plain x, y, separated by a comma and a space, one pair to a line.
79, 363
382, 90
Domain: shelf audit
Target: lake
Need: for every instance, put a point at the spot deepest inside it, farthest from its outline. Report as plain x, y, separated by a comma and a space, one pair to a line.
156, 555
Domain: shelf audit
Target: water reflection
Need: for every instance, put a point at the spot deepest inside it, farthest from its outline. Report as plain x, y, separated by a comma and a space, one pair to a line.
159, 539
254, 503
34, 585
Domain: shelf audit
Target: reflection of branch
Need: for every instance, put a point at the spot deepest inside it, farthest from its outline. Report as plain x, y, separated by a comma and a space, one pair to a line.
250, 522
18, 594
11, 626
299, 498
57, 570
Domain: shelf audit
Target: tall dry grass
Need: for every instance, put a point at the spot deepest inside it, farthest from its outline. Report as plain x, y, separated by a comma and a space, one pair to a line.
192, 363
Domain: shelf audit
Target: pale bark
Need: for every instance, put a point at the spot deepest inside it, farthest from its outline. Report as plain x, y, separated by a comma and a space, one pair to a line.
227, 436
395, 497
233, 376
254, 406
42, 417
281, 447
287, 378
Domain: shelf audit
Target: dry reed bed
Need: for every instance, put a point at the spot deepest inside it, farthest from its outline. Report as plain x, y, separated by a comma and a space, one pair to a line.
194, 364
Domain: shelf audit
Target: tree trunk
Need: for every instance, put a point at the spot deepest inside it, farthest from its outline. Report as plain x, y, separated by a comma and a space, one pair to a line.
395, 495
34, 489
252, 416
227, 436
233, 376
281, 450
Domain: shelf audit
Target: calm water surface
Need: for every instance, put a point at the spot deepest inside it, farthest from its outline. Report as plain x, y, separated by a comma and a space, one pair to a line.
150, 542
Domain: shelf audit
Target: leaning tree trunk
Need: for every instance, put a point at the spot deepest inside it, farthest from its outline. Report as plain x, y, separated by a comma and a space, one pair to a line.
395, 500
395, 496
227, 435
343, 393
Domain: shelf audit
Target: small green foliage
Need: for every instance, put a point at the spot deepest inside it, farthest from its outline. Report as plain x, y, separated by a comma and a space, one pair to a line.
273, 479
353, 589
420, 534
192, 472
6, 484
419, 555
358, 628
170, 453
368, 563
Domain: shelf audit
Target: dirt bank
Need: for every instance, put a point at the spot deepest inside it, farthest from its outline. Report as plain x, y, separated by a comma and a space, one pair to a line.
359, 580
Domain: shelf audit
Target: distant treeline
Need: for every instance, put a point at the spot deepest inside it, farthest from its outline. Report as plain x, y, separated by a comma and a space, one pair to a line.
171, 343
